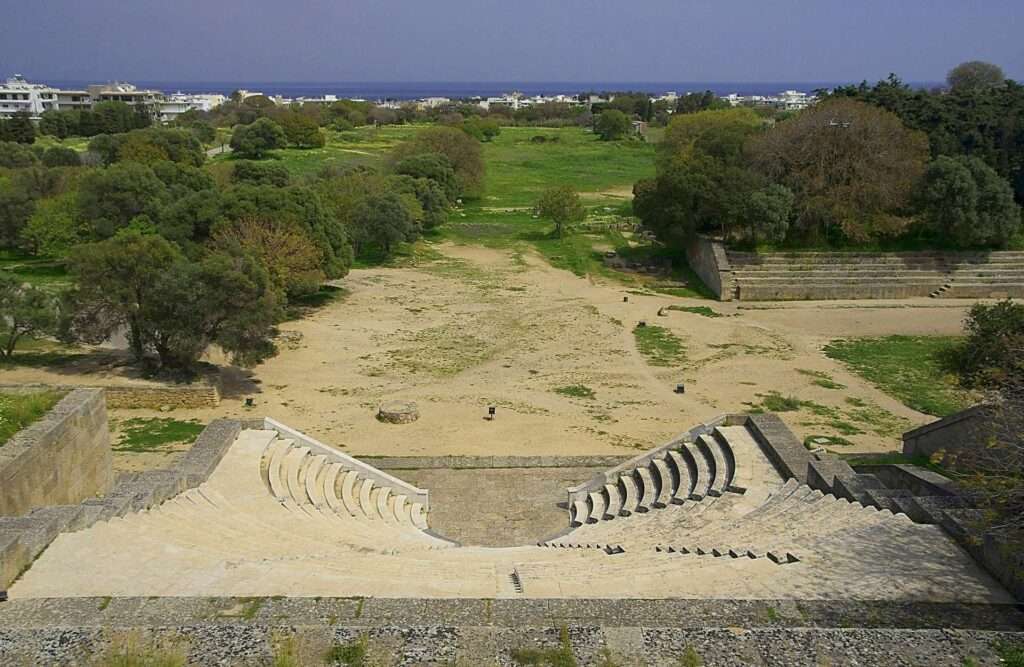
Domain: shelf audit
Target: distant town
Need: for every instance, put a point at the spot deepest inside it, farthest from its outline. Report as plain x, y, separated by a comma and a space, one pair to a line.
19, 95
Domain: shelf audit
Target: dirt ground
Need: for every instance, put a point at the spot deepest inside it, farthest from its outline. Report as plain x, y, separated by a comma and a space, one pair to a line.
483, 327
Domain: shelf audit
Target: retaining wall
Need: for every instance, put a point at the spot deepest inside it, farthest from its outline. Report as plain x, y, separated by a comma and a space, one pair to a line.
202, 394
23, 538
63, 458
949, 434
707, 258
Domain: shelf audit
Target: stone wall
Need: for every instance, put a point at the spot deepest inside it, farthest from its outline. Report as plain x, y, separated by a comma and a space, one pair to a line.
197, 395
948, 434
63, 458
252, 631
23, 538
201, 394
708, 260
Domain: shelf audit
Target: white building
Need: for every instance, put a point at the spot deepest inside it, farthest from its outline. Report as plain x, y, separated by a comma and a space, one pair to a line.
119, 91
176, 104
18, 95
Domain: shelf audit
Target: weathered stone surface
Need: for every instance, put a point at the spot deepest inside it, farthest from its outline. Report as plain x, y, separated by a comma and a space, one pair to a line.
398, 412
61, 459
782, 447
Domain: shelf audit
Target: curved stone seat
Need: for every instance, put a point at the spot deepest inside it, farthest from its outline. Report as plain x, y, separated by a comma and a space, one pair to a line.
702, 483
648, 491
614, 496
666, 483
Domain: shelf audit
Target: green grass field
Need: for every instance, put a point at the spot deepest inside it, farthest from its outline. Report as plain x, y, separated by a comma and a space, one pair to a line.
361, 146
41, 272
913, 369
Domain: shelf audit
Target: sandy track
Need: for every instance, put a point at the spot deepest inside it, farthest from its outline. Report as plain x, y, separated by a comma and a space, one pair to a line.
482, 328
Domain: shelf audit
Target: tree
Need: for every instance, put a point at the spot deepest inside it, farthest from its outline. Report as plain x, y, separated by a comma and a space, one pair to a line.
253, 141
292, 260
257, 173
703, 183
16, 156
27, 311
965, 200
984, 123
382, 221
58, 156
16, 207
851, 166
110, 198
562, 206
224, 299
612, 124
481, 129
60, 124
720, 134
301, 130
54, 227
463, 152
114, 282
991, 353
975, 75
768, 213
433, 166
295, 204
18, 128
169, 306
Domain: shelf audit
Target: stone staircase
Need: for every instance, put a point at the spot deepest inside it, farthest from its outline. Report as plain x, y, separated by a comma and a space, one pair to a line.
690, 469
304, 480
707, 515
838, 275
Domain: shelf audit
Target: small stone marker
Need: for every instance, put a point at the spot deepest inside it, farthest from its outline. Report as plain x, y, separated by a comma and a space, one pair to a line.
249, 402
3, 596
641, 323
680, 388
625, 299
398, 412
490, 411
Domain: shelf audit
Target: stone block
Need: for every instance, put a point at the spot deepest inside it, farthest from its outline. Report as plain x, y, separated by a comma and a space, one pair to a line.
855, 487
13, 557
822, 474
931, 509
783, 448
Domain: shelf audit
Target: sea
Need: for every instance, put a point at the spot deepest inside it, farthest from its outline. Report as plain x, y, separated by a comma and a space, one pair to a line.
381, 90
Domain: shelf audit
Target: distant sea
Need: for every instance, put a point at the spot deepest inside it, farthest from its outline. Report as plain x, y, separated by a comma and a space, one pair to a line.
375, 90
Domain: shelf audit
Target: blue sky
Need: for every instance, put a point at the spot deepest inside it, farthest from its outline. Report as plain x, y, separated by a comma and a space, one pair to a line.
507, 40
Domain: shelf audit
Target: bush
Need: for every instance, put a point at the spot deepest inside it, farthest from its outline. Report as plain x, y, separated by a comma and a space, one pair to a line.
992, 354
59, 156
16, 156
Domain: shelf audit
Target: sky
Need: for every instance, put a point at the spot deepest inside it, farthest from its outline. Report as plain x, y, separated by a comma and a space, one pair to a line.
507, 40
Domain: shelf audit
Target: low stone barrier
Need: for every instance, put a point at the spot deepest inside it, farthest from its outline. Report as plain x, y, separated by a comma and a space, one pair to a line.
62, 458
197, 395
200, 394
23, 538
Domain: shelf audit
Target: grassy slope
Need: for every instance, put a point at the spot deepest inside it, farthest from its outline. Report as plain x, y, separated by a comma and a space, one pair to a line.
910, 368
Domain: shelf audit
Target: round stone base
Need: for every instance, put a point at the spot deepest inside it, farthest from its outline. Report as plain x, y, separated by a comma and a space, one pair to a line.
398, 412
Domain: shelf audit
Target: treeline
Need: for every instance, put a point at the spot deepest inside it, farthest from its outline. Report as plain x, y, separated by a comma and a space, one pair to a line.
848, 171
181, 255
